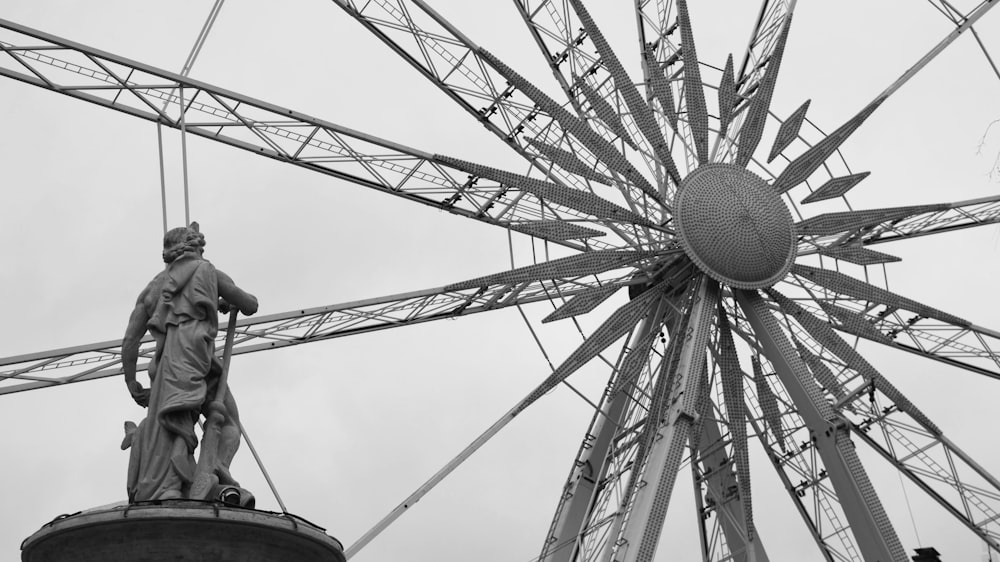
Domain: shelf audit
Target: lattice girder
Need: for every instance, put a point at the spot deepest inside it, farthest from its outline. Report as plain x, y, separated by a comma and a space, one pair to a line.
905, 435
600, 463
716, 479
590, 517
963, 214
452, 62
103, 359
869, 523
970, 347
642, 520
264, 129
793, 455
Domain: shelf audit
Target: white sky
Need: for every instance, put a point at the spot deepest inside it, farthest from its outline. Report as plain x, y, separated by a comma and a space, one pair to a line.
348, 428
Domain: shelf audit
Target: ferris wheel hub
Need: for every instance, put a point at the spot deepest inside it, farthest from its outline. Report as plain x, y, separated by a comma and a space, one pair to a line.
734, 226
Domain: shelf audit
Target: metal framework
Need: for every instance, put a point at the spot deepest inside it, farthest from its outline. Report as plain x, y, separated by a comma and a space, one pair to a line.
712, 356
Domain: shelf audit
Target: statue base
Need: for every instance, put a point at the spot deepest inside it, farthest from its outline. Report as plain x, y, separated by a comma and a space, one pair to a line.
180, 530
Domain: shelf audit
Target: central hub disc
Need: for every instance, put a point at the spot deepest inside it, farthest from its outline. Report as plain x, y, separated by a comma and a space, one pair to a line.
734, 226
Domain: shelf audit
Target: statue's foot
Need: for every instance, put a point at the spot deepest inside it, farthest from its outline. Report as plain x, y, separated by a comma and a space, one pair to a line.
171, 495
235, 496
230, 496
225, 477
246, 499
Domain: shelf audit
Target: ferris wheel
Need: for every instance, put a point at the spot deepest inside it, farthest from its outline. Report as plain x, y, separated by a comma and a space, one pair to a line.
700, 231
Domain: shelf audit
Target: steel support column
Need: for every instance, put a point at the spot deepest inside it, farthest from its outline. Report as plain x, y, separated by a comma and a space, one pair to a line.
830, 435
643, 518
719, 478
582, 487
720, 483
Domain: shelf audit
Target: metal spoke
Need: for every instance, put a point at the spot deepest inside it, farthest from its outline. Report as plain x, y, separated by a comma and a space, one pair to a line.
953, 216
641, 519
791, 451
594, 483
103, 359
567, 41
472, 77
272, 131
869, 524
753, 69
963, 345
809, 161
907, 437
587, 520
732, 391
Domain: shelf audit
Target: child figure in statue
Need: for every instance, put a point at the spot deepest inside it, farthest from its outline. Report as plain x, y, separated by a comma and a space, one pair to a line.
179, 309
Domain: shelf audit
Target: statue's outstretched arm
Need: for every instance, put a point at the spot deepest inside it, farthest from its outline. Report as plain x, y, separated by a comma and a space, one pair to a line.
235, 296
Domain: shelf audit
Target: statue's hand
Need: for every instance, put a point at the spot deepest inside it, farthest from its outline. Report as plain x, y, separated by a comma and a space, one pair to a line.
225, 307
139, 394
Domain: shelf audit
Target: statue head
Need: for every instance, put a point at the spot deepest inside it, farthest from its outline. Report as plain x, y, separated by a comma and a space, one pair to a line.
182, 239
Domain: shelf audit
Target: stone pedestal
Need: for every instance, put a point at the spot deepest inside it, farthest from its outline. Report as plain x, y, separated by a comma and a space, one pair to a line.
180, 530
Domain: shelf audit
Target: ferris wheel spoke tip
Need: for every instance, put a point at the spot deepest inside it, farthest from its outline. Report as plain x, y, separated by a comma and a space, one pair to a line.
760, 105
768, 403
694, 92
569, 161
846, 285
625, 87
660, 85
788, 131
733, 397
581, 265
852, 322
727, 97
613, 328
582, 303
578, 200
858, 255
848, 221
836, 187
556, 230
809, 161
605, 113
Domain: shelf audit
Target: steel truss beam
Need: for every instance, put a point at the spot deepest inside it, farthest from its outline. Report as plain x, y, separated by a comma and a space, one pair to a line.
941, 470
149, 93
824, 521
605, 479
720, 462
969, 347
570, 536
787, 440
716, 480
959, 215
640, 520
456, 65
571, 54
103, 359
583, 527
771, 19
899, 431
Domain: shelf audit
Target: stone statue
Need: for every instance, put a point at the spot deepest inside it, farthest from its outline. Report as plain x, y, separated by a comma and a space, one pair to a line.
179, 309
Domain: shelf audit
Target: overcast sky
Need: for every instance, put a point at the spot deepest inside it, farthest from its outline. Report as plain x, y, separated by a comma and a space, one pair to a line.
349, 428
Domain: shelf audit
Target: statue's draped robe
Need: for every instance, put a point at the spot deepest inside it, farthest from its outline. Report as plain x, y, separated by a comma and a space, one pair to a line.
181, 303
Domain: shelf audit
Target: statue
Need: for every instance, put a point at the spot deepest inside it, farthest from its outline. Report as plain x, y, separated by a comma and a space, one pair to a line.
178, 308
